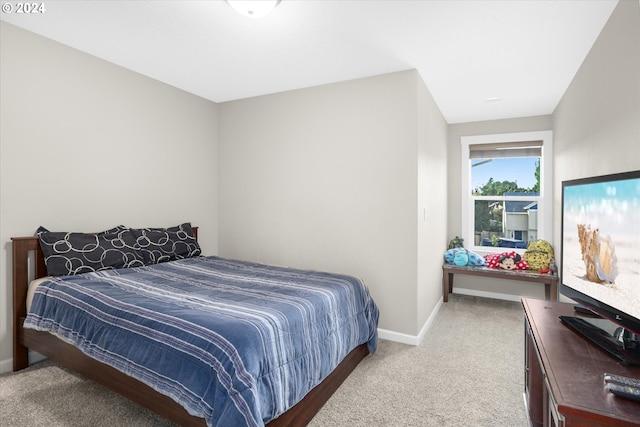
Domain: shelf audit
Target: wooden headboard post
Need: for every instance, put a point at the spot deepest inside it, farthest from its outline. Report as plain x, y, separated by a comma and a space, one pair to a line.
23, 272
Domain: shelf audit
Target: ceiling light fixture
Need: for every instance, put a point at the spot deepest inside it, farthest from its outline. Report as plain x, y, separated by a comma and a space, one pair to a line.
253, 8
493, 99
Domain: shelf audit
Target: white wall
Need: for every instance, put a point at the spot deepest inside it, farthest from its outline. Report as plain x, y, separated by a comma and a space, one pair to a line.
597, 122
327, 178
432, 198
86, 145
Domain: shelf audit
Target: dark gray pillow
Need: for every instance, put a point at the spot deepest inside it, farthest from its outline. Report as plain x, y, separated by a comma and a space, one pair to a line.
68, 253
166, 244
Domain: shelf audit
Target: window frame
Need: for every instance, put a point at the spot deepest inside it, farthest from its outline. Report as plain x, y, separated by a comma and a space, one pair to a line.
545, 199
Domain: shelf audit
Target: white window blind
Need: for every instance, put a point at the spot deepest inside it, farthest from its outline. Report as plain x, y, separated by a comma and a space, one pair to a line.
506, 149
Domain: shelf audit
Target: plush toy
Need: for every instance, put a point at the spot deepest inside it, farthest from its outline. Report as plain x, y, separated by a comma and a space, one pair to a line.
538, 255
506, 261
462, 256
457, 242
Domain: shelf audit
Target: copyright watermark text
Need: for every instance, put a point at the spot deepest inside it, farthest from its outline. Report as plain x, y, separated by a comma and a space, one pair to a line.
24, 8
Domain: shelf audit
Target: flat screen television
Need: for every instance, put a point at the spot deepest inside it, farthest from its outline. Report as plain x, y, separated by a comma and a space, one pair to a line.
600, 260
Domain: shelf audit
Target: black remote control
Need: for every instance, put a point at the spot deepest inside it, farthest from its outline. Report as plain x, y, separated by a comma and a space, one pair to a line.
625, 391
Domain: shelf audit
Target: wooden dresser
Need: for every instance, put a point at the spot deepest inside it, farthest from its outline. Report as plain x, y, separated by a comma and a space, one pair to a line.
564, 384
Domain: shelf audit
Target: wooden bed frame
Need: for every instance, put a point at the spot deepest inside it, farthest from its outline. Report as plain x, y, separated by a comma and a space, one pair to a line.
28, 264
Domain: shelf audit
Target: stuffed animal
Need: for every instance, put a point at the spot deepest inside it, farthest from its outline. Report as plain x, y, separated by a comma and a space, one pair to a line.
539, 254
506, 261
457, 242
462, 257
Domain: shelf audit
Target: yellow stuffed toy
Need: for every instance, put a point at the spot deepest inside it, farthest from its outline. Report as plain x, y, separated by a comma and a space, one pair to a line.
539, 254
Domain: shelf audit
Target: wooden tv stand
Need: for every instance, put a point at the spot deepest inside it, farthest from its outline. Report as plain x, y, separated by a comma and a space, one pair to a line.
564, 374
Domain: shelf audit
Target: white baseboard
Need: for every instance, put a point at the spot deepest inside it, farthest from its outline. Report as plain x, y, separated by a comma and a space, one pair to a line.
410, 339
7, 364
397, 337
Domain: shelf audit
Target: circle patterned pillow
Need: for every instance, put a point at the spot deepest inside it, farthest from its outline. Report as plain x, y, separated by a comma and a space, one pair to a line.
166, 244
69, 253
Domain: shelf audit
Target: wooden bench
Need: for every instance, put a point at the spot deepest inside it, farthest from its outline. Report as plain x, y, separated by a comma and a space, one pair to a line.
550, 280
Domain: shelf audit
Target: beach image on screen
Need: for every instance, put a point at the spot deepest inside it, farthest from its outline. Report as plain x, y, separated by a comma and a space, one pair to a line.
601, 242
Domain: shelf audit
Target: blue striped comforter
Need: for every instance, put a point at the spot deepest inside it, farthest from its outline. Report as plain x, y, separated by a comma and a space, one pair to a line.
233, 342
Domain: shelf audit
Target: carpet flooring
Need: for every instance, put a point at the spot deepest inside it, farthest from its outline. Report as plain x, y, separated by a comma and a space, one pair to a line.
468, 371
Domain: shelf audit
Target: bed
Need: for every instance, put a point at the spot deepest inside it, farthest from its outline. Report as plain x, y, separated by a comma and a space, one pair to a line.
256, 344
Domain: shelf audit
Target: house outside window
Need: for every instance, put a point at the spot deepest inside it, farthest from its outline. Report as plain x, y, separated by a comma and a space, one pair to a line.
506, 190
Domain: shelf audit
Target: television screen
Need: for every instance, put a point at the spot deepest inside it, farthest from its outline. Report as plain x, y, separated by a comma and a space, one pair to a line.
600, 263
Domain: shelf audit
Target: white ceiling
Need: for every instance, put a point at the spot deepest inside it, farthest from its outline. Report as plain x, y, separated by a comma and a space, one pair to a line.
523, 52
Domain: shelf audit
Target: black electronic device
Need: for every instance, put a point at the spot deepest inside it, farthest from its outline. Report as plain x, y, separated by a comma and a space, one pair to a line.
628, 392
595, 330
584, 310
599, 262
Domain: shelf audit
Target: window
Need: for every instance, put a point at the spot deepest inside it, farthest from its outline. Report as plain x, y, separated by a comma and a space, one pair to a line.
506, 190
